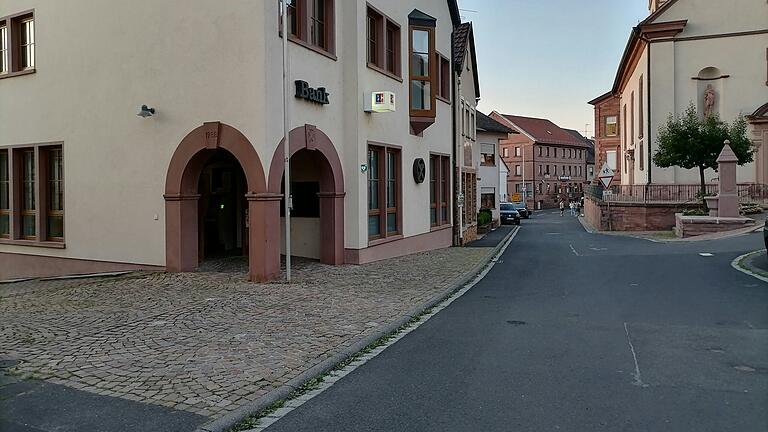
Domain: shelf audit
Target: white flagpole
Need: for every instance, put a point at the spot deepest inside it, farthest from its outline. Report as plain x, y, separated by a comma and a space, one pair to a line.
286, 143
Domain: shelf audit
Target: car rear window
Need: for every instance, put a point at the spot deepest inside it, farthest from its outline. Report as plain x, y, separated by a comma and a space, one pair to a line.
507, 207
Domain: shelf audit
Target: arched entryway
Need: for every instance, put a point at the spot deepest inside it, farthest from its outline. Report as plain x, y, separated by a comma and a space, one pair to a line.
318, 190
211, 145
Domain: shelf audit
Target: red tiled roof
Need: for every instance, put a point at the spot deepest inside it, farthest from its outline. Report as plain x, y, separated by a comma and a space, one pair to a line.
544, 131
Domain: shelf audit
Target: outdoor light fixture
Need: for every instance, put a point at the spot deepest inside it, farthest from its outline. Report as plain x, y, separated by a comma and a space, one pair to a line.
146, 112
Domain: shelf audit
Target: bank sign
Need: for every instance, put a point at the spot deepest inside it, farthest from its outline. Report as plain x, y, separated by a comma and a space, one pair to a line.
316, 95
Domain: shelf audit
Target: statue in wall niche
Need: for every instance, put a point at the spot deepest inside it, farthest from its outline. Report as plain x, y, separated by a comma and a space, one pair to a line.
709, 101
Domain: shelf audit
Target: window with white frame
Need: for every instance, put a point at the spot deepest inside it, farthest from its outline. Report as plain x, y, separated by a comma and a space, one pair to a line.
27, 44
610, 158
3, 49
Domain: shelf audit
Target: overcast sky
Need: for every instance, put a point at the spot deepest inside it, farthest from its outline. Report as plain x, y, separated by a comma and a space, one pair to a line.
548, 58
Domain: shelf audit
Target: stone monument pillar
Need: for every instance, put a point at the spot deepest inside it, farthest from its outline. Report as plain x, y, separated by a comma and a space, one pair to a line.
726, 203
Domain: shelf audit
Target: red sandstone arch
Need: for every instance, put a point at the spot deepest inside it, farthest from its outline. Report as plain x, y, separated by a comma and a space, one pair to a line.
331, 189
181, 200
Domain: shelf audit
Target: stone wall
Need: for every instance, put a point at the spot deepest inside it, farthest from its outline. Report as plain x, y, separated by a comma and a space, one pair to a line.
631, 216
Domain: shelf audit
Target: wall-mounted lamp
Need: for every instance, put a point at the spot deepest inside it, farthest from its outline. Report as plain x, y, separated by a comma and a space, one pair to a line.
146, 112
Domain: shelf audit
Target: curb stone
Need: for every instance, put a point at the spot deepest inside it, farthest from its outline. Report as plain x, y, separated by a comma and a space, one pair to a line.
283, 392
740, 264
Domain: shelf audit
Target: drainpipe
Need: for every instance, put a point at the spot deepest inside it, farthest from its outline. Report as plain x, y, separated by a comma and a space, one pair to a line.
286, 144
459, 156
648, 108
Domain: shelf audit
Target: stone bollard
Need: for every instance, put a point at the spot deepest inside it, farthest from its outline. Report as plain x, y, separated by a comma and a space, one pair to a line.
728, 196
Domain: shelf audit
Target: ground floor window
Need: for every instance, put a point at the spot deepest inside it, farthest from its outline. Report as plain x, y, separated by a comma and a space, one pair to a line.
469, 211
383, 192
439, 193
38, 212
488, 199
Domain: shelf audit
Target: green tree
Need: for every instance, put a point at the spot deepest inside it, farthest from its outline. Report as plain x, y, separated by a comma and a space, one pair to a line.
692, 142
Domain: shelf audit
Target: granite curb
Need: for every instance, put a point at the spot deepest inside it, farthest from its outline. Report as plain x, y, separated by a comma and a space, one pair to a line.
283, 392
745, 265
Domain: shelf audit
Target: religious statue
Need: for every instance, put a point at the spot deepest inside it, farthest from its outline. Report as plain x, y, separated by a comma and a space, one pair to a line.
709, 101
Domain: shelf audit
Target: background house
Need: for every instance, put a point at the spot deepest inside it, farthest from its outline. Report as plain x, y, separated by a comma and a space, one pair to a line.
491, 173
547, 163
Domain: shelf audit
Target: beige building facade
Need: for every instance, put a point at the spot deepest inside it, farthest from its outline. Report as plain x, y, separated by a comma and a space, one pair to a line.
88, 185
681, 52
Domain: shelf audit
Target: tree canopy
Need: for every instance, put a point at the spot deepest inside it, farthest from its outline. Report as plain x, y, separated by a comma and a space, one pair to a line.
691, 141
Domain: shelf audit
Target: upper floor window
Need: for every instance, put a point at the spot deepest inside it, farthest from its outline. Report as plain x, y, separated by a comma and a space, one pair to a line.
487, 154
444, 78
3, 49
27, 44
517, 152
311, 23
422, 76
611, 125
17, 44
383, 42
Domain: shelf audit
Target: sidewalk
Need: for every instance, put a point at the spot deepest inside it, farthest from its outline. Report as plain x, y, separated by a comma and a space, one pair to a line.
164, 352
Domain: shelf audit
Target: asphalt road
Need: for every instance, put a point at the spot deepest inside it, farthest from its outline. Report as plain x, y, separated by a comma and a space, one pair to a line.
574, 332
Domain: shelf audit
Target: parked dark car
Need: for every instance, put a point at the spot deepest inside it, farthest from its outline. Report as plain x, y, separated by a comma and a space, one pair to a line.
765, 236
508, 214
525, 213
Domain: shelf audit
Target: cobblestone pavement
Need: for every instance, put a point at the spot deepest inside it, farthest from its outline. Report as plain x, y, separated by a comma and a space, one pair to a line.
209, 342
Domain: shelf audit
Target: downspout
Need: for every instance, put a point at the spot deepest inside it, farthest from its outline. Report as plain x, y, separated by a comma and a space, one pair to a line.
648, 115
459, 163
457, 235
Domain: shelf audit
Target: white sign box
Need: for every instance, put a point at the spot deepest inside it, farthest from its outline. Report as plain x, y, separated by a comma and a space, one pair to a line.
380, 102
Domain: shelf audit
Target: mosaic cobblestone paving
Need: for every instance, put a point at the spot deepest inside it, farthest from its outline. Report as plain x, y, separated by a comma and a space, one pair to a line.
209, 342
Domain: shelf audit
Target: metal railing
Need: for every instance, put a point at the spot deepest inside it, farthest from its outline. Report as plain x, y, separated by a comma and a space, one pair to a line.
671, 193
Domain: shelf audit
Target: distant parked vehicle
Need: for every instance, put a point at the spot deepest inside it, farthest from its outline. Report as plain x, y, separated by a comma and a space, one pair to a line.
521, 208
509, 214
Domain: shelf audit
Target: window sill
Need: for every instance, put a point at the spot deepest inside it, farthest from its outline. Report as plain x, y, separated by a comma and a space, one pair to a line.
440, 98
311, 47
385, 240
384, 72
18, 73
435, 228
34, 243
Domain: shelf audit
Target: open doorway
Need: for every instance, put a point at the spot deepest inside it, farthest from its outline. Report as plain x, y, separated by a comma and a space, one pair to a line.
222, 210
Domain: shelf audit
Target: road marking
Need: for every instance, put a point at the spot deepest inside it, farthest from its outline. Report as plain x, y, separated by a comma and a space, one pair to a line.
638, 380
335, 375
706, 254
553, 233
574, 250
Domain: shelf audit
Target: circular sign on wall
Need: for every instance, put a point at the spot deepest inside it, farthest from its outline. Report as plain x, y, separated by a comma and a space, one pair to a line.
419, 170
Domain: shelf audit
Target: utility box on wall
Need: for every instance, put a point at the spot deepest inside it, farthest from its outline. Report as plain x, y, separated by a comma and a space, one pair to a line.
379, 102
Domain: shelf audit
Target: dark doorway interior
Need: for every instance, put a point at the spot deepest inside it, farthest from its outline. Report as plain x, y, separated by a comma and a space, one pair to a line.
222, 187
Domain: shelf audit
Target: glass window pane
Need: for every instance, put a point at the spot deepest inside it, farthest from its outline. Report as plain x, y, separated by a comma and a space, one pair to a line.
28, 226
421, 95
420, 41
56, 226
420, 64
392, 222
433, 216
373, 226
5, 226
28, 182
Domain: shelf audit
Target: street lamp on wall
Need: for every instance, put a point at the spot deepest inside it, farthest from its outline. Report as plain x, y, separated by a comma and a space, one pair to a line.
145, 112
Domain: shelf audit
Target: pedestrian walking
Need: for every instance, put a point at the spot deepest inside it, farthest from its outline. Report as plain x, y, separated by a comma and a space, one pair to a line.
562, 207
571, 206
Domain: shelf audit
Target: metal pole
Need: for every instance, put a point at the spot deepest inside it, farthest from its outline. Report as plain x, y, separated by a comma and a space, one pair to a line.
286, 143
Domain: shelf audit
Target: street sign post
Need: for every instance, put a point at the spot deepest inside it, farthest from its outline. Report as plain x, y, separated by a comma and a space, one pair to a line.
606, 175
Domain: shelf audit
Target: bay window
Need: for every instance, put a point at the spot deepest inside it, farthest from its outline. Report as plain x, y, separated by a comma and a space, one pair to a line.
422, 70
